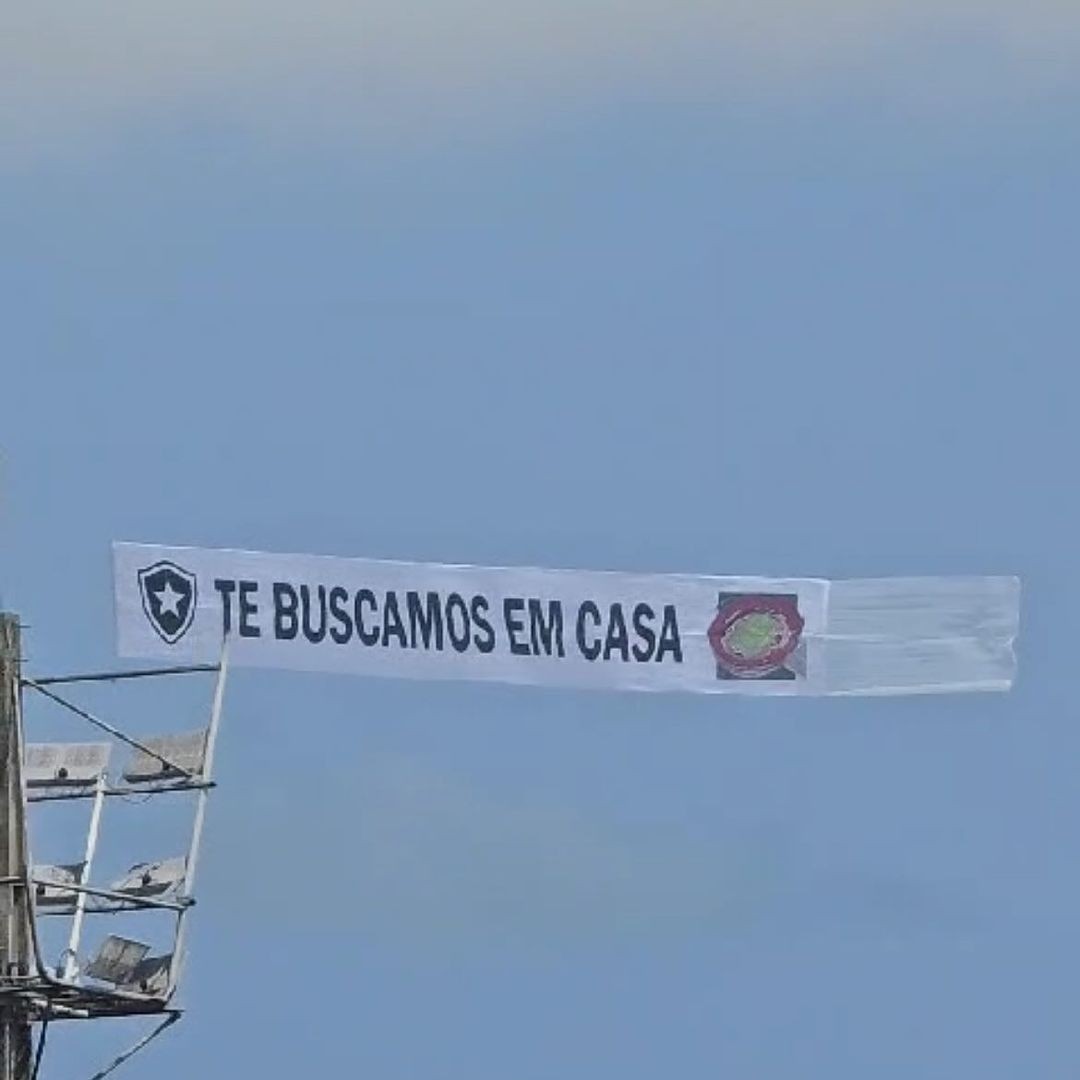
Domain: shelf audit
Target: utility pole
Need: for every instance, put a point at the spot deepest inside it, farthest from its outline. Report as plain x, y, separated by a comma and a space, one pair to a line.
15, 1041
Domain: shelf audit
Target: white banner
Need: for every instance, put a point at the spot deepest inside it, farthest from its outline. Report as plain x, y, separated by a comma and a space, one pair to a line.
747, 635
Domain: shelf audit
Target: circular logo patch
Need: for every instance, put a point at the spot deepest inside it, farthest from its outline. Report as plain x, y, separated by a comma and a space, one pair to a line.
752, 636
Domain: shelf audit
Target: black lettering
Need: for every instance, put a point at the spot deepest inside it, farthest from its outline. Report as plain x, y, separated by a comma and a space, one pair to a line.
392, 624
616, 638
486, 643
643, 616
549, 633
512, 607
365, 596
425, 623
589, 650
669, 636
342, 633
459, 635
313, 634
225, 588
248, 609
286, 623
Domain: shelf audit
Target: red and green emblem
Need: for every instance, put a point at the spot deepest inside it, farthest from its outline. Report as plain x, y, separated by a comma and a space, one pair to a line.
753, 636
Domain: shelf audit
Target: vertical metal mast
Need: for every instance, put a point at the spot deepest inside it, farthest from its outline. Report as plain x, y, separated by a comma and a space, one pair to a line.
70, 963
190, 865
15, 1043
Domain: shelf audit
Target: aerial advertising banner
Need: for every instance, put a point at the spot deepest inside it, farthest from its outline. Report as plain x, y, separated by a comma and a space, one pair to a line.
583, 628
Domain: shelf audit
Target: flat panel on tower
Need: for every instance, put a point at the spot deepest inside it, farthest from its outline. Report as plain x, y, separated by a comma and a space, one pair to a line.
65, 764
151, 976
51, 885
184, 753
152, 878
117, 960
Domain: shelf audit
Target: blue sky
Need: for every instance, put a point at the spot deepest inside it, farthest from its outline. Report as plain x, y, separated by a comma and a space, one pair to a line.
709, 288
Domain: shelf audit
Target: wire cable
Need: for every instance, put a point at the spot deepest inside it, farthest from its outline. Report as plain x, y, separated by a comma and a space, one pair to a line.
40, 1047
145, 1041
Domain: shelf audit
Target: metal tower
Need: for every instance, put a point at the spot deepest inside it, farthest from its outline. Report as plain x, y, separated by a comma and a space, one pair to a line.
122, 976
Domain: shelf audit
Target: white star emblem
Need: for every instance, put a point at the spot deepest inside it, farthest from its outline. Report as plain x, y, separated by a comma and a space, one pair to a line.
169, 600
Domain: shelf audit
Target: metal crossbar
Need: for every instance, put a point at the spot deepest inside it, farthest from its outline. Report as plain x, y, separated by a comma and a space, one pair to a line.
117, 676
112, 894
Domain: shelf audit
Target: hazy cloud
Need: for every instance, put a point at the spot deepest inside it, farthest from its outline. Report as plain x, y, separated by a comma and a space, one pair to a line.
384, 67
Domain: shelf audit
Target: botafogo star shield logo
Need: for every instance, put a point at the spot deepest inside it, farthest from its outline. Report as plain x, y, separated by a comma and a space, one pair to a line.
168, 597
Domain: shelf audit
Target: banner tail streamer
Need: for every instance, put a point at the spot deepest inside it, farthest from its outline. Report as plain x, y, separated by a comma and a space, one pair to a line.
921, 635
